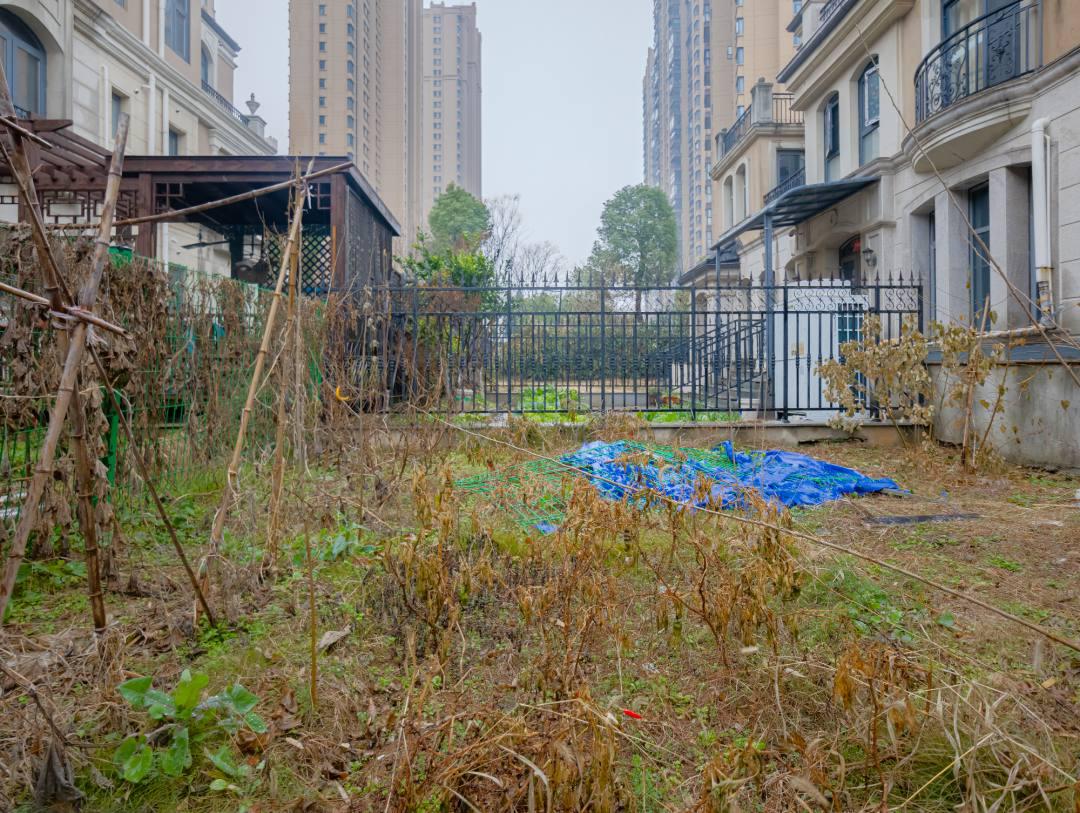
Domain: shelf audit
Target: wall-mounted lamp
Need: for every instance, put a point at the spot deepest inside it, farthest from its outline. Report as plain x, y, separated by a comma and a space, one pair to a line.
869, 257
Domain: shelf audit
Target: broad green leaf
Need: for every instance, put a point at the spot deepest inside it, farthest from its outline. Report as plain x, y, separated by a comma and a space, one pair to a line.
138, 766
134, 690
123, 753
189, 690
255, 722
223, 760
177, 758
242, 700
219, 785
158, 704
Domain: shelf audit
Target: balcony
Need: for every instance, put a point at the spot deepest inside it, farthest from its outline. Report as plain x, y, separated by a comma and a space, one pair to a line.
729, 138
990, 51
224, 103
767, 108
793, 181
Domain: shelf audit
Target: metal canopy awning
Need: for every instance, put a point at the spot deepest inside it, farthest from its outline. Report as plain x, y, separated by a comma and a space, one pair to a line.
798, 205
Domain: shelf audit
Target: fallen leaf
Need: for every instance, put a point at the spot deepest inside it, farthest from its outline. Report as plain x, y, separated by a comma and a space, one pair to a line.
333, 637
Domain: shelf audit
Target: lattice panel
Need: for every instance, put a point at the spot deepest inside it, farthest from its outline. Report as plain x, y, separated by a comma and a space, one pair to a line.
316, 258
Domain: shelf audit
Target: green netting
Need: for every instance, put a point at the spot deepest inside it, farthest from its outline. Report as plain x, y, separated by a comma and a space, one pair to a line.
536, 493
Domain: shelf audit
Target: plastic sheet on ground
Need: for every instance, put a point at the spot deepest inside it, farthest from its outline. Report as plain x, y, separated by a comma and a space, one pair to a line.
617, 471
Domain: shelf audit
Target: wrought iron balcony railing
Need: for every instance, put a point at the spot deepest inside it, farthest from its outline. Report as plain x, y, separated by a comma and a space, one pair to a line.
736, 133
781, 113
224, 103
987, 52
793, 181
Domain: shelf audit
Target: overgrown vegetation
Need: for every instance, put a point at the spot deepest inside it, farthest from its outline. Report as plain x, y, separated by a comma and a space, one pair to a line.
388, 641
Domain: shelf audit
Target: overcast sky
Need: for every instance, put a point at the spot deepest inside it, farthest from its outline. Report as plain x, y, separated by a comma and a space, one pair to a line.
562, 100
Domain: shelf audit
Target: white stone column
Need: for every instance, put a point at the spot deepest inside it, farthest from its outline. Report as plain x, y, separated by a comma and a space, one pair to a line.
1010, 245
953, 293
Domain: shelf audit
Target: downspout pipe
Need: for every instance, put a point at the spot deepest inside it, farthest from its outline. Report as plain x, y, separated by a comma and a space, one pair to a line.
1040, 196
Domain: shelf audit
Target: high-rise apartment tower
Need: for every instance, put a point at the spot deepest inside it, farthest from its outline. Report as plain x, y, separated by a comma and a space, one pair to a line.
396, 88
687, 93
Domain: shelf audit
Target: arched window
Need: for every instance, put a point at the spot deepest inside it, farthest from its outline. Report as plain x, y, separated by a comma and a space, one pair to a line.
741, 194
831, 138
869, 111
24, 61
206, 67
850, 260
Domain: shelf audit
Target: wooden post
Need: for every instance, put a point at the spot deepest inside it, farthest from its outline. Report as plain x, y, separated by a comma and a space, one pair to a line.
278, 476
232, 472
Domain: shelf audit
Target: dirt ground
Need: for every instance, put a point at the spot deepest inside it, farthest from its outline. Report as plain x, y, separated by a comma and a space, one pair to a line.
634, 661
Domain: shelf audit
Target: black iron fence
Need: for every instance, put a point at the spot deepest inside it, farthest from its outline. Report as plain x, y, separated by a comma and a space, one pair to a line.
995, 48
710, 352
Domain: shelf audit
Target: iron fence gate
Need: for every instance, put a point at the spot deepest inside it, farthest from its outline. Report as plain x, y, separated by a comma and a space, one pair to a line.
715, 351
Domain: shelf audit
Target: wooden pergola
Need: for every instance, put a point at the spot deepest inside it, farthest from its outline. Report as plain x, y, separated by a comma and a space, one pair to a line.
348, 230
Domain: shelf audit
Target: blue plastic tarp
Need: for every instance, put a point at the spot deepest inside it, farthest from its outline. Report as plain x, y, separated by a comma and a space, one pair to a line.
781, 477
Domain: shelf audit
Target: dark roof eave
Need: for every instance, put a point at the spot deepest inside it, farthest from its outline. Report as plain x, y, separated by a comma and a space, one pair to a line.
811, 45
799, 205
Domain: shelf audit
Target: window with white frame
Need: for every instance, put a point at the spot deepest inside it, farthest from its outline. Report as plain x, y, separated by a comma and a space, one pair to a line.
869, 112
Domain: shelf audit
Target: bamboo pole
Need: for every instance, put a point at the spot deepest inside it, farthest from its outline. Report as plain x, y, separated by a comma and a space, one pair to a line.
84, 478
76, 351
66, 311
232, 472
313, 622
9, 121
278, 476
243, 197
55, 286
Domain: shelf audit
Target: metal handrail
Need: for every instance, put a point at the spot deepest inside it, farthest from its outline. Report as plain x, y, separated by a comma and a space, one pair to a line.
224, 103
782, 113
782, 109
829, 9
990, 50
793, 181
736, 133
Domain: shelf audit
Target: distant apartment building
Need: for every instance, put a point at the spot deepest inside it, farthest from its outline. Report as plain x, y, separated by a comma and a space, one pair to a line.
354, 68
168, 64
451, 118
394, 87
759, 152
686, 66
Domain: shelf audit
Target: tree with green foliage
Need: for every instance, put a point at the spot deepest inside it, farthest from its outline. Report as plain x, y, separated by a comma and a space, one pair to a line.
458, 220
638, 239
449, 267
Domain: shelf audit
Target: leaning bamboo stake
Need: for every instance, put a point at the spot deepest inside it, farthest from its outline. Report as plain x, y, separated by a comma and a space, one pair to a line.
232, 472
313, 622
66, 312
84, 478
54, 282
58, 292
66, 391
278, 476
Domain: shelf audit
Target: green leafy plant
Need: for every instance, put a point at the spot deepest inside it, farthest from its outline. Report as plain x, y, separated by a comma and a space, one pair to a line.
184, 720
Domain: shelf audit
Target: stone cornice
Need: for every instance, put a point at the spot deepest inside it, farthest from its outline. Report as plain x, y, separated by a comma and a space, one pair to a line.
819, 61
101, 29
